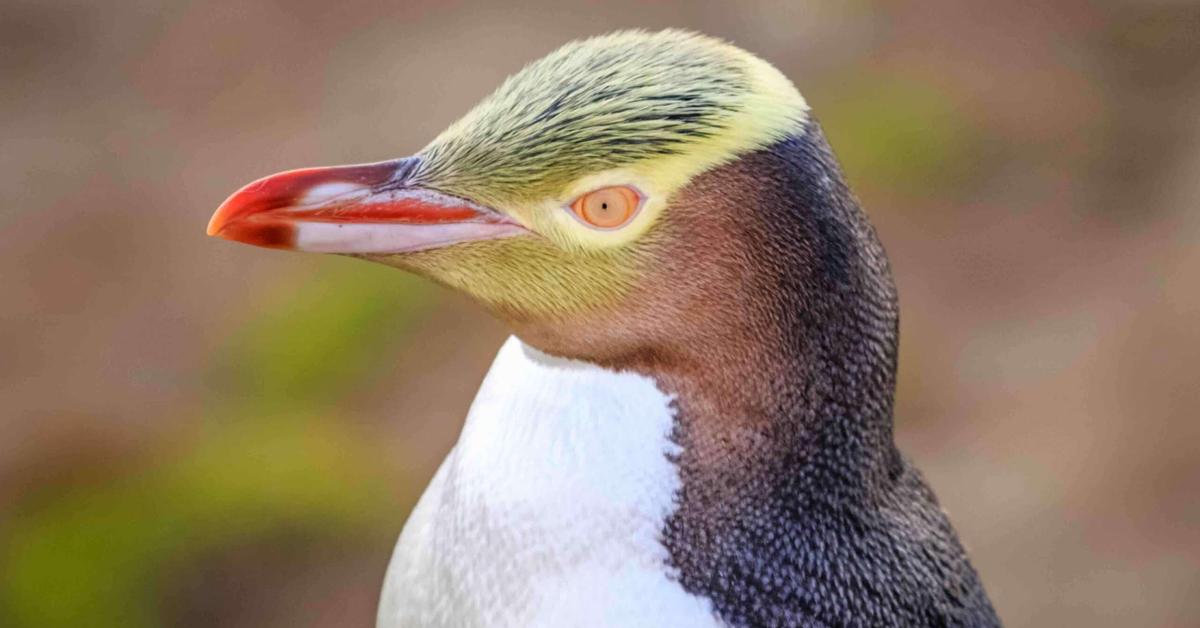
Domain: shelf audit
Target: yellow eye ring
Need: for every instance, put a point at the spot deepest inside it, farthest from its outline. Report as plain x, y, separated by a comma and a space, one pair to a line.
607, 208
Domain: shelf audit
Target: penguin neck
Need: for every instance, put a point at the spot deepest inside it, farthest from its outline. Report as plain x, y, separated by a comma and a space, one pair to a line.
742, 418
794, 363
792, 492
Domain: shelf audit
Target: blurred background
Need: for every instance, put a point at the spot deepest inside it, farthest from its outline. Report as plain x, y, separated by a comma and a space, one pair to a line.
198, 433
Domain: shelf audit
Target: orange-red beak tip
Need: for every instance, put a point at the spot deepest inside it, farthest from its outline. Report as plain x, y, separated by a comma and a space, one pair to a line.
218, 220
251, 216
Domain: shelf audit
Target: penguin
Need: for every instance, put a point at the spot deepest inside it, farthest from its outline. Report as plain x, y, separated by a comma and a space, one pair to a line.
691, 424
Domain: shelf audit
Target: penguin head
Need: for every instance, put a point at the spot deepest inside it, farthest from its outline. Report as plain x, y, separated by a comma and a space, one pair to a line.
601, 195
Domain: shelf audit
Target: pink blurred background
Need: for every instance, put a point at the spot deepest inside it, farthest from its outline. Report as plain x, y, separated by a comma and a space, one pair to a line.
199, 433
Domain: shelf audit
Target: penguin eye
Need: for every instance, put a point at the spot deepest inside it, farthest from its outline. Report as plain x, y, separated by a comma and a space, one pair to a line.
607, 208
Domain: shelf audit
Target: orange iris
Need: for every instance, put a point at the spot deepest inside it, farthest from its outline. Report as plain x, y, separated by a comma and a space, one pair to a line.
607, 208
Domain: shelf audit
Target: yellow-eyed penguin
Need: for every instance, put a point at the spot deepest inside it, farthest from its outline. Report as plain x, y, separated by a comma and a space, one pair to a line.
692, 425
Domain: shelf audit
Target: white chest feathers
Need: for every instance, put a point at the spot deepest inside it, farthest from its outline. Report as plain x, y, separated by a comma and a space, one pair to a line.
549, 511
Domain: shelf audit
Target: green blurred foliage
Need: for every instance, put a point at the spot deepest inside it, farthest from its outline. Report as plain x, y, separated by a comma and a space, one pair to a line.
902, 133
264, 459
319, 338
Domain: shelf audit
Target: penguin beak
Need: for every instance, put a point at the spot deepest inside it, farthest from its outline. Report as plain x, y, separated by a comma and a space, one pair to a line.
366, 208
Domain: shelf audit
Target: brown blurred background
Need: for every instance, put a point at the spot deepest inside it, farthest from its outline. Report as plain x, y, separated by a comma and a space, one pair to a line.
197, 433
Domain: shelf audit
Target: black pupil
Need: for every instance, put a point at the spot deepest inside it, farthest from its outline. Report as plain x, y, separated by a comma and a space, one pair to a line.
603, 205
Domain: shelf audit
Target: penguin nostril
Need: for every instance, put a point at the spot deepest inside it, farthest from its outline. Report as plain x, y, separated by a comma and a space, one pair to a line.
405, 168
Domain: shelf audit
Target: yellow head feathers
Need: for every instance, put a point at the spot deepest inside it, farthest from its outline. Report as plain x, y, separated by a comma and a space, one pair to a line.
650, 110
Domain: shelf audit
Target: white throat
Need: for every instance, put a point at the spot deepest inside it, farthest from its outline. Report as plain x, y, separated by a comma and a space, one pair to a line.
549, 511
